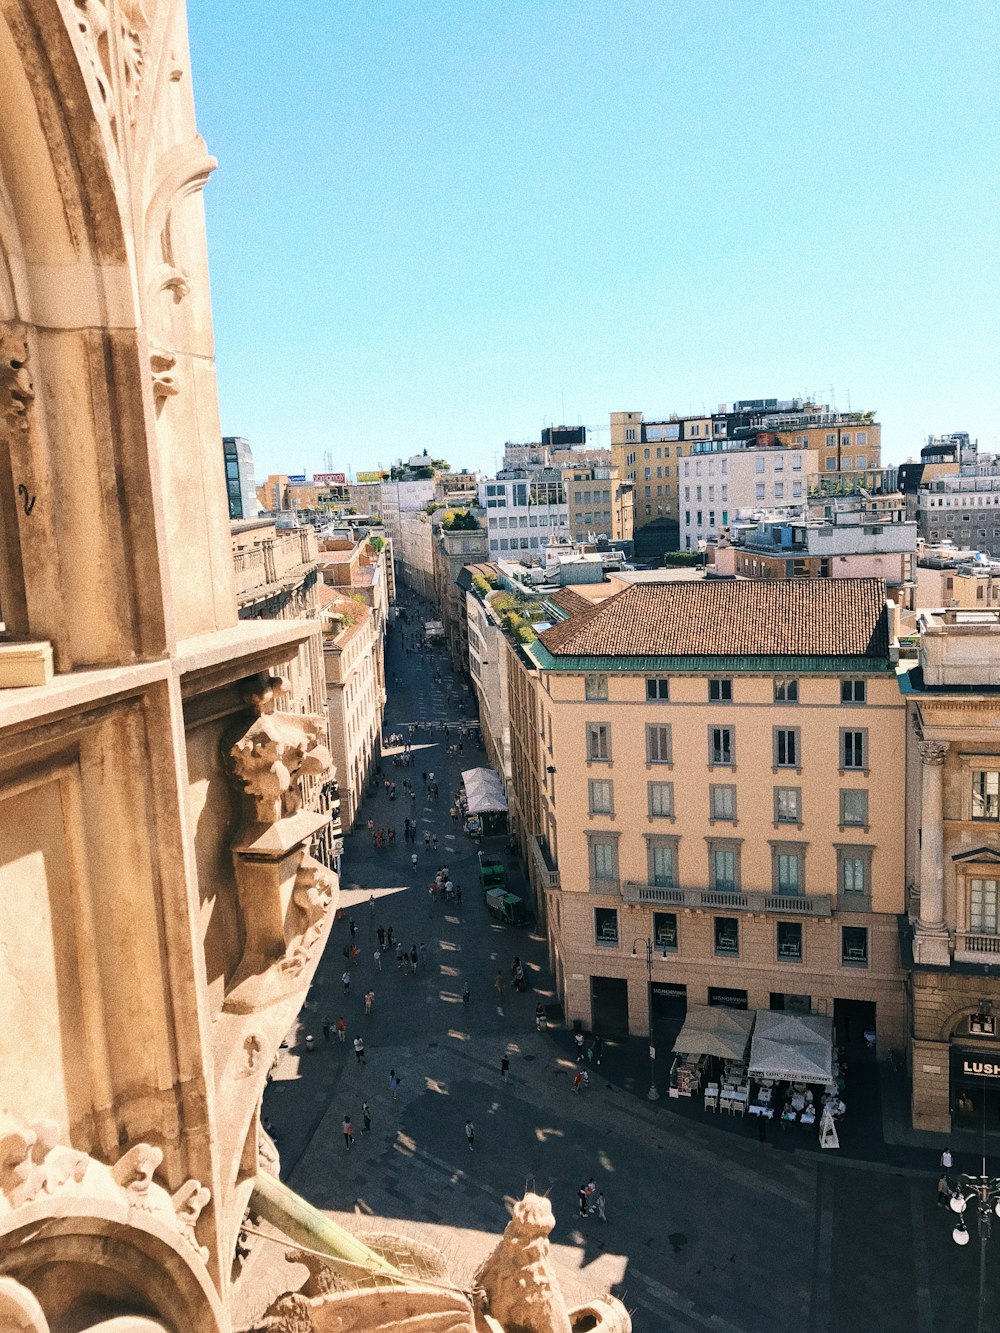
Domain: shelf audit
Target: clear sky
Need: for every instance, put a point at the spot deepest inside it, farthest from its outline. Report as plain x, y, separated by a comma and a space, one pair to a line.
446, 225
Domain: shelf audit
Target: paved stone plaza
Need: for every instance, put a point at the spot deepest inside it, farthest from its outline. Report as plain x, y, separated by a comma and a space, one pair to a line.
708, 1228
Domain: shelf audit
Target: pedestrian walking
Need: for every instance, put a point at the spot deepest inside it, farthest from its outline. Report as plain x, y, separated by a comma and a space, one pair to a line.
378, 960
504, 1068
427, 839
394, 1082
371, 906
498, 983
341, 1029
369, 1000
458, 894
946, 1160
381, 937
598, 1049
389, 938
413, 960
327, 1029
601, 1208
367, 1117
466, 994
413, 862
348, 1129
352, 927
762, 1127
400, 957
346, 980
309, 1041
581, 1195
359, 1050
581, 1080
470, 1134
423, 952
943, 1191
578, 1041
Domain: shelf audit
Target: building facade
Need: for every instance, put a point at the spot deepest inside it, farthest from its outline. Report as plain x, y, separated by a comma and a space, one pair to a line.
647, 452
950, 940
524, 508
653, 719
598, 503
848, 546
241, 489
355, 694
716, 485
453, 550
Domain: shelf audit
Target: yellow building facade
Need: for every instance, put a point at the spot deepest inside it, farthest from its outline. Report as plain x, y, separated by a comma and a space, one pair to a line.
735, 811
647, 452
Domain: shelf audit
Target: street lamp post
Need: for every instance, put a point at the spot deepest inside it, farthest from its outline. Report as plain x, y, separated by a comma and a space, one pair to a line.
984, 1192
652, 1094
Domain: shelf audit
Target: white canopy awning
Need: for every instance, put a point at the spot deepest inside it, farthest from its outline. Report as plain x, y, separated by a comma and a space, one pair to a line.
713, 1030
483, 791
433, 628
798, 1047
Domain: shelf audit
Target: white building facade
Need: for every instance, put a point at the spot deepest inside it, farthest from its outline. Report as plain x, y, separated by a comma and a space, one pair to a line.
524, 508
714, 486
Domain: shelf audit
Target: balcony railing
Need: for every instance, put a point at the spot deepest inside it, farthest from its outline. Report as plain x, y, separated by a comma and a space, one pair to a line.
972, 948
548, 871
778, 904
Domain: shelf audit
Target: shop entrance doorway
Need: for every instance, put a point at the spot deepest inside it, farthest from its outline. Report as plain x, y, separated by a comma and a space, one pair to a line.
851, 1020
609, 1006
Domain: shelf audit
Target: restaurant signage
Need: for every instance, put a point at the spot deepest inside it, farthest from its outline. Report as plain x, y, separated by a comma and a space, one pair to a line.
330, 478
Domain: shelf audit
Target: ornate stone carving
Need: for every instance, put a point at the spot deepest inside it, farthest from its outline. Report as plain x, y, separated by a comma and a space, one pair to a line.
189, 1201
312, 894
162, 364
933, 752
518, 1279
34, 1166
275, 751
134, 34
96, 20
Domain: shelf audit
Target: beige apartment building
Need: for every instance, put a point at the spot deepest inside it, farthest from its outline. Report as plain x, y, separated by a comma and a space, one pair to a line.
951, 940
355, 693
598, 503
713, 772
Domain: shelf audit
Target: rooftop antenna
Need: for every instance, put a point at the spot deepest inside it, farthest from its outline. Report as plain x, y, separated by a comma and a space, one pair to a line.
833, 397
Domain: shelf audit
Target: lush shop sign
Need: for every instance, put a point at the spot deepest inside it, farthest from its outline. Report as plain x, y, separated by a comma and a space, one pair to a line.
975, 1065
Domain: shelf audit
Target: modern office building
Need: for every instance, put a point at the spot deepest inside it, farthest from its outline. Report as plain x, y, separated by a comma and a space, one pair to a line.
241, 489
524, 507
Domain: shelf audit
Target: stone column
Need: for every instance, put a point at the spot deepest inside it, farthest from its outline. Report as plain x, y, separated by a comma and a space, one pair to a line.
930, 938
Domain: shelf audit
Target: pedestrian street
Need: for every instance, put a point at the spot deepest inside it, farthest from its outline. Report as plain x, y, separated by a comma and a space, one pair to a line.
706, 1230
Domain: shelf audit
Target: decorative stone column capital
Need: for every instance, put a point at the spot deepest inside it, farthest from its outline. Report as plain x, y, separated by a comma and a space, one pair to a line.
932, 752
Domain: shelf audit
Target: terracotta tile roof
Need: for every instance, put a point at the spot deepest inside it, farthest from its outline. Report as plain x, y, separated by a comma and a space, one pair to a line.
731, 617
573, 603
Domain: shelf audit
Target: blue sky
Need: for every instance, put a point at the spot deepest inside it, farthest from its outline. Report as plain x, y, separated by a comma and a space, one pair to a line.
445, 225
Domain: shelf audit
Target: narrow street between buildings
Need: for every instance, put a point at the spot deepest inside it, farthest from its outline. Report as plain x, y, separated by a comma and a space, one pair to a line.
708, 1228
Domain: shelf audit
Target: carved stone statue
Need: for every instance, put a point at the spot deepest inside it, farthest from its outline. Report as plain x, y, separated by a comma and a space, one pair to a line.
134, 1173
275, 751
518, 1279
188, 1203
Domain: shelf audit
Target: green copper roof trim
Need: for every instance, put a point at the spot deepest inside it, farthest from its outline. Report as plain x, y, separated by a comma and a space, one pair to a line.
770, 665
